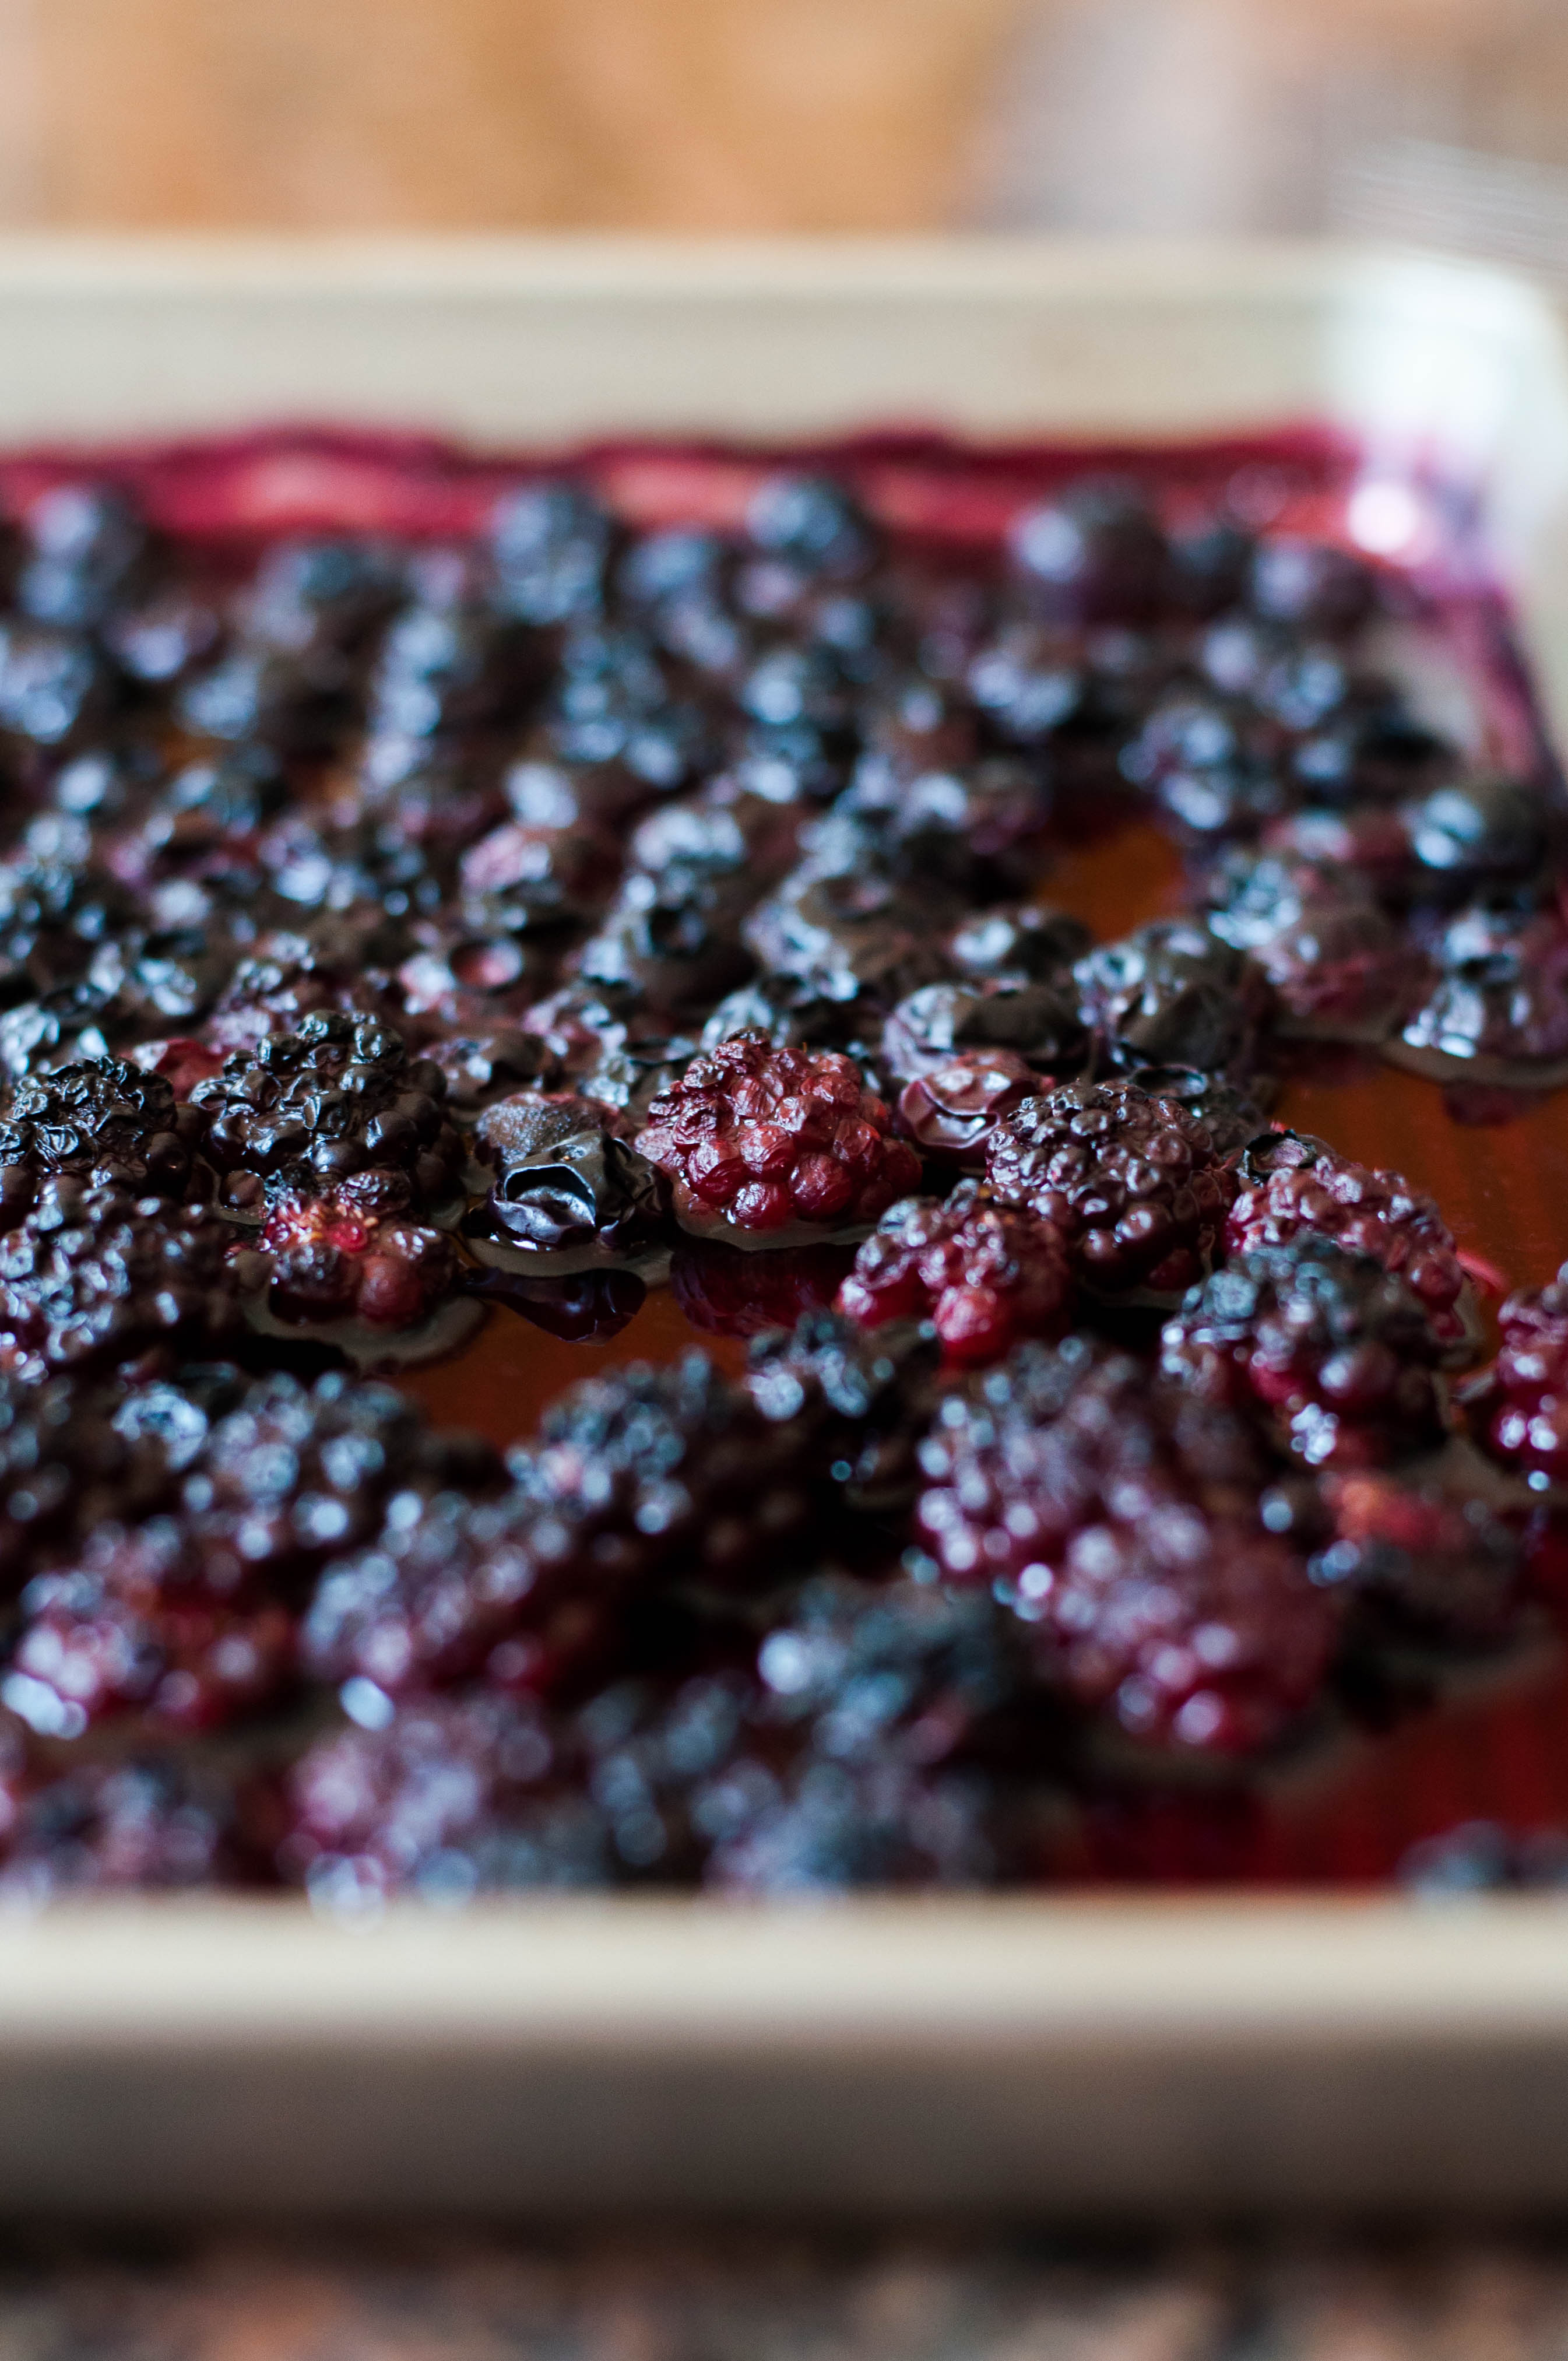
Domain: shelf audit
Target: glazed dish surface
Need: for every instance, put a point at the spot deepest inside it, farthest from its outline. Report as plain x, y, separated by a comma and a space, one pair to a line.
773, 1171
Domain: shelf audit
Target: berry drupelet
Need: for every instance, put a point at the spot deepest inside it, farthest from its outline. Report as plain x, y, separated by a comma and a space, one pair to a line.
1334, 1346
1121, 1520
984, 1273
1132, 1184
760, 1143
338, 1100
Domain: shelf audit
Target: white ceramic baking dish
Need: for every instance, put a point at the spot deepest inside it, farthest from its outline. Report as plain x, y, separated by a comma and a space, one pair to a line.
1066, 2054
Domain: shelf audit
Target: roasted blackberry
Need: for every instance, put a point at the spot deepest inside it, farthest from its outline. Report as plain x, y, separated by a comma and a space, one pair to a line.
108, 1124
338, 1100
860, 1403
1093, 554
553, 545
1292, 1185
156, 1824
1018, 942
56, 686
1172, 993
1522, 1401
1310, 585
760, 1141
813, 525
1483, 832
1339, 968
1121, 1519
323, 593
985, 1274
566, 1184
324, 1258
953, 1109
93, 1279
1212, 766
1229, 1115
1134, 1185
189, 1617
847, 925
1422, 1552
1039, 1022
1338, 1350
1498, 1008
461, 977
90, 551
66, 1464
522, 880
672, 932
450, 663
613, 701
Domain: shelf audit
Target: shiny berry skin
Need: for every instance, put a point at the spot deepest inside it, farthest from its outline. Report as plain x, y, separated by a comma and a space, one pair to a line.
984, 1273
108, 1124
1121, 1521
324, 1258
339, 1099
1334, 1347
765, 1139
953, 1108
1496, 1007
1131, 1183
858, 1403
724, 1291
1172, 993
1292, 1185
1094, 555
93, 1280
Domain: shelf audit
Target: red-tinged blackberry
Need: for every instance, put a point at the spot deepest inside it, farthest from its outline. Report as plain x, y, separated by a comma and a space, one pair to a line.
1293, 1185
1231, 1115
1121, 1519
984, 1273
1038, 1022
1340, 967
724, 1291
1312, 586
324, 1258
1093, 554
552, 544
1520, 1404
446, 1797
1338, 1350
1497, 1011
1172, 993
566, 1184
152, 1825
760, 1143
67, 1463
859, 1402
953, 1109
92, 1279
109, 1124
1424, 1552
85, 1651
1134, 1185
338, 1100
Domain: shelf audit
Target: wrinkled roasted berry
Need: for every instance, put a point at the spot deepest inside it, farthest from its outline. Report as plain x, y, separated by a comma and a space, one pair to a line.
1038, 1022
1292, 1185
984, 1273
565, 1181
110, 1124
1134, 1185
1018, 942
1332, 1345
1231, 1116
1172, 993
1214, 767
325, 1257
338, 1100
1120, 1518
1498, 1008
763, 1140
1339, 966
953, 1108
93, 1279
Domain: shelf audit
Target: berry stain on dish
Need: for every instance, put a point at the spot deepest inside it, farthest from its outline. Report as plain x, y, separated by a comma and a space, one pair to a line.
793, 1173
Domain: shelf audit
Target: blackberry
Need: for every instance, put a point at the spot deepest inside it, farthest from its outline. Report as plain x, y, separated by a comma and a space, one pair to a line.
1172, 993
1523, 1398
1134, 1185
480, 1067
154, 1824
89, 550
56, 686
953, 1109
984, 1273
1339, 968
295, 974
1423, 1552
189, 1617
463, 978
338, 1100
543, 791
859, 1403
1212, 766
1120, 1519
1093, 554
109, 1124
834, 1827
520, 880
813, 525
1310, 585
672, 932
566, 1184
1231, 1115
323, 593
324, 1258
1497, 1010
448, 664
271, 697
54, 919
613, 701
67, 1463
1038, 1022
1018, 942
1338, 1350
1293, 1185
552, 544
93, 1279
761, 1141
1484, 832
847, 927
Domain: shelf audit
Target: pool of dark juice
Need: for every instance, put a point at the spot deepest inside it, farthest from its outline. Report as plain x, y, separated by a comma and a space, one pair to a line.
1494, 1744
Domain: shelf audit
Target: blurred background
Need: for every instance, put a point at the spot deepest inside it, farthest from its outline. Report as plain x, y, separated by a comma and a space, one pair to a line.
1443, 119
